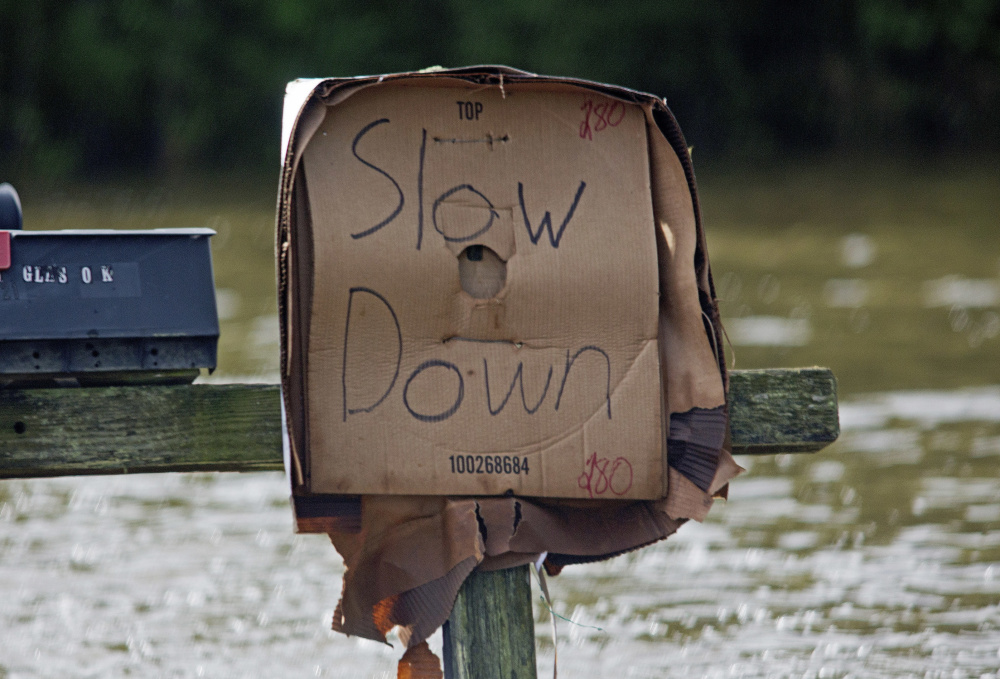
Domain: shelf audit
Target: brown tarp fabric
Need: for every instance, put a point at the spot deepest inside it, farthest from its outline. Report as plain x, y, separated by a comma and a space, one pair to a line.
407, 556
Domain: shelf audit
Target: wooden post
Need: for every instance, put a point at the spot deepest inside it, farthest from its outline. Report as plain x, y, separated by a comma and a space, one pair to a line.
491, 631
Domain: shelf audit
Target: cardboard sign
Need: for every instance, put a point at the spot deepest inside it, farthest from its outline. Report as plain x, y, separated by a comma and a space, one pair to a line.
491, 283
475, 292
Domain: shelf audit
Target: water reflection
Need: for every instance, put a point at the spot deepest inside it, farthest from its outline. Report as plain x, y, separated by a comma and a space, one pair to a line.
876, 559
848, 293
879, 557
857, 250
962, 293
769, 331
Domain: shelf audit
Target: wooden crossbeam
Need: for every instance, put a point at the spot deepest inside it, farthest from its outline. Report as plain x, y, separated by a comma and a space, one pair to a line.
236, 427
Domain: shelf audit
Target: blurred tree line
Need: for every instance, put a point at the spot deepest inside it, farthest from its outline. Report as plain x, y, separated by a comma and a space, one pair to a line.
164, 86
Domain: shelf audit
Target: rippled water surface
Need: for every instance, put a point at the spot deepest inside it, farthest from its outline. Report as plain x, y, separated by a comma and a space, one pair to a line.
878, 557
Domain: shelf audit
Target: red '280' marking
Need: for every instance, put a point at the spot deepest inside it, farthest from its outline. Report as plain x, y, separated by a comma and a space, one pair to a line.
601, 475
605, 114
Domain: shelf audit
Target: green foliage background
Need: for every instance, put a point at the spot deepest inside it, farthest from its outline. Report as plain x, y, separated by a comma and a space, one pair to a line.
166, 86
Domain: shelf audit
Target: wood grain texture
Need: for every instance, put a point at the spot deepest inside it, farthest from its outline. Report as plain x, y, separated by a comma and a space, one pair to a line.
236, 427
782, 411
490, 633
109, 430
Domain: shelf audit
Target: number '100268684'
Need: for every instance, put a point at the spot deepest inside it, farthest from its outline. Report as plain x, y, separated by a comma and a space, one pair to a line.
488, 464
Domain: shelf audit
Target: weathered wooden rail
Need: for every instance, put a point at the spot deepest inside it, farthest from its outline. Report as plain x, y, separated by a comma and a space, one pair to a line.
237, 427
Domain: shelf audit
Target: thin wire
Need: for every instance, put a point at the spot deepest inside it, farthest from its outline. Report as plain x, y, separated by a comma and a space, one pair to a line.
562, 617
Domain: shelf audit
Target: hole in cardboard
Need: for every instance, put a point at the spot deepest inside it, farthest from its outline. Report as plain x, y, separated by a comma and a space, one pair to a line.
481, 272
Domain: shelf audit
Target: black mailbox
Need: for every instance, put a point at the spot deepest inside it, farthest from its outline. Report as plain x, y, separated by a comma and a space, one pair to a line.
97, 307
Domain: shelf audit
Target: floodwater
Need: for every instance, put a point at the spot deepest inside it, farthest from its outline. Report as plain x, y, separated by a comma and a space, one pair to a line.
877, 557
